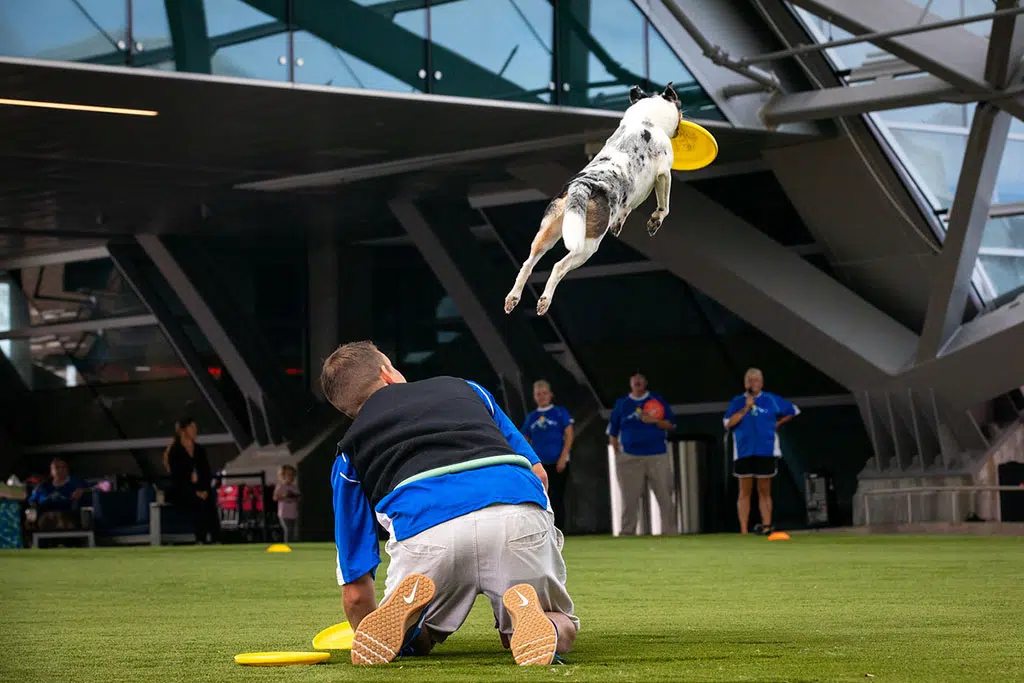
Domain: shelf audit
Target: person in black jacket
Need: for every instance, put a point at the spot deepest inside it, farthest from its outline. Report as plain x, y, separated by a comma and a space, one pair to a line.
192, 479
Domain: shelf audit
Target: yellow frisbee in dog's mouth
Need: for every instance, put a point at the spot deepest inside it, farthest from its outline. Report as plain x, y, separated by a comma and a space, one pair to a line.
693, 147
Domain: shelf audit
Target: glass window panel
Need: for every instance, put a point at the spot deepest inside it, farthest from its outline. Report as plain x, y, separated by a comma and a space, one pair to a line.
69, 292
664, 66
264, 57
1006, 273
509, 41
601, 52
317, 62
1004, 233
935, 158
399, 69
150, 30
104, 356
846, 57
63, 29
941, 114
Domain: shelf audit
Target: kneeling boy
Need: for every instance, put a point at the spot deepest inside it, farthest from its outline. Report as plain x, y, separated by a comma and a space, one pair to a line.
462, 496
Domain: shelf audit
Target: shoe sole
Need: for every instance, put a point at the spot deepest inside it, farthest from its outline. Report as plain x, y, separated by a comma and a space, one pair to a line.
534, 638
381, 633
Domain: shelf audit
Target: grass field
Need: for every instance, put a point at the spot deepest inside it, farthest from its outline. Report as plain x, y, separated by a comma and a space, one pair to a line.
816, 608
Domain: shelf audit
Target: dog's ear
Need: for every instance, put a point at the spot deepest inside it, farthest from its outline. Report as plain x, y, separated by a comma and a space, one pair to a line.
670, 93
636, 94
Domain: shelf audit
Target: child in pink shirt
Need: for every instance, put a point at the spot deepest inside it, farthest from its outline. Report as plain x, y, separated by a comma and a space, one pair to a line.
286, 493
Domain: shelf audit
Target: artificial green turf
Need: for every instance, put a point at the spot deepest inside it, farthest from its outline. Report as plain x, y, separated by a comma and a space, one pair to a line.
709, 608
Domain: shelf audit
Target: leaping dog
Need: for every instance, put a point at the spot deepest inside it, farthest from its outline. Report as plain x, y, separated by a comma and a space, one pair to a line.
635, 160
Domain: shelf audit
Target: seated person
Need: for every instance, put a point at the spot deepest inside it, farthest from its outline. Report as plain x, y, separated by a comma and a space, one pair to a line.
55, 503
462, 495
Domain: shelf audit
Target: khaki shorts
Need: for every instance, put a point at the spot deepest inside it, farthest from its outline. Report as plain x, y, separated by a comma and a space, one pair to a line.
484, 552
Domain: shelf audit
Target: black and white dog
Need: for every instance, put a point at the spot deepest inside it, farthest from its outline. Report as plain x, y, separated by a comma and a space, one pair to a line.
635, 160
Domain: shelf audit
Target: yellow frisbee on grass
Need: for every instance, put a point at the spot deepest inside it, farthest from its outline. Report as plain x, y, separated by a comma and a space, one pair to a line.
281, 658
279, 548
337, 637
693, 147
778, 536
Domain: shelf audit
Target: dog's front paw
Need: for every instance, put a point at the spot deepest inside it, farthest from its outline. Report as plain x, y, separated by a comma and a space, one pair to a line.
543, 304
653, 225
510, 302
616, 229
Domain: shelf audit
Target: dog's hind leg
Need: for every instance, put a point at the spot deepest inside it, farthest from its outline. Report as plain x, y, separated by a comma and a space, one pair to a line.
595, 226
548, 235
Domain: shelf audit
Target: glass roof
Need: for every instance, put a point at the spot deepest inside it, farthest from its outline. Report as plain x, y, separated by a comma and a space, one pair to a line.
930, 141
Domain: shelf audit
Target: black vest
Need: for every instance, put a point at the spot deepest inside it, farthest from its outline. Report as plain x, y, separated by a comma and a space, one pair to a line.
405, 429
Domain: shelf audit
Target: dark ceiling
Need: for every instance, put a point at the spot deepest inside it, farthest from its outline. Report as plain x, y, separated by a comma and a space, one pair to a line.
78, 174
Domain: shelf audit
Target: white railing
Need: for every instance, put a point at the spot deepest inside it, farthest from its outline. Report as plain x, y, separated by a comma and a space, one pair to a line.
908, 495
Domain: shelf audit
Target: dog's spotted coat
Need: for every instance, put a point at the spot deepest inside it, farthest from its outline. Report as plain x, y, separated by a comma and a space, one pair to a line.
635, 160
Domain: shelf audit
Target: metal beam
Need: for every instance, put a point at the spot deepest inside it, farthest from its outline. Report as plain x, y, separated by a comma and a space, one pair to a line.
54, 258
967, 219
1005, 45
490, 338
271, 404
953, 54
540, 277
389, 168
725, 24
849, 101
186, 20
122, 445
125, 258
776, 291
981, 361
80, 326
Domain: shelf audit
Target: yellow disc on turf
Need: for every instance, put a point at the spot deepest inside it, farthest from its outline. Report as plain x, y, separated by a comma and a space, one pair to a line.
279, 548
778, 536
337, 637
281, 658
693, 147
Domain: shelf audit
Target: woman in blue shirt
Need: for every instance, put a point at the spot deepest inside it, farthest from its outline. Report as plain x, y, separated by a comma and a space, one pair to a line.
549, 430
756, 415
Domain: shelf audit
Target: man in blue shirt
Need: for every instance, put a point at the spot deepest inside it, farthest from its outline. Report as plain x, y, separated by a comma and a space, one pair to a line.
549, 430
462, 496
637, 433
756, 416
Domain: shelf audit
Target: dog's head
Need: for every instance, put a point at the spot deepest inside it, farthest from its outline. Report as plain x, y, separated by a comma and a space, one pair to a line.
663, 109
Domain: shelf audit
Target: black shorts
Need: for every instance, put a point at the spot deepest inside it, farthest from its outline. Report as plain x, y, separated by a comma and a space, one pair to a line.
760, 466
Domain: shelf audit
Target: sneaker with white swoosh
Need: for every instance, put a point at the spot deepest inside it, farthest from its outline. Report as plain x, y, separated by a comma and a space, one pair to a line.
534, 637
381, 634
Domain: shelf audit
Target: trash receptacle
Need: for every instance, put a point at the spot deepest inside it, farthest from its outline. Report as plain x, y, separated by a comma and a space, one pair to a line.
820, 499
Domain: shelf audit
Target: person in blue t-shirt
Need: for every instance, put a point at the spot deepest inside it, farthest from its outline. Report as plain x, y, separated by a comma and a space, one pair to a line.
549, 430
637, 431
56, 502
756, 415
463, 498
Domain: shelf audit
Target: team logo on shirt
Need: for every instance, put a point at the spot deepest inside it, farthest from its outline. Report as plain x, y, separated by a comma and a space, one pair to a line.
543, 422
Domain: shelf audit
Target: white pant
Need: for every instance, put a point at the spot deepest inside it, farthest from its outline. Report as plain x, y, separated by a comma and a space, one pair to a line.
487, 551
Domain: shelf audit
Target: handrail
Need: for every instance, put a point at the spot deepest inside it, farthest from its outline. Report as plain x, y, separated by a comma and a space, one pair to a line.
923, 489
909, 492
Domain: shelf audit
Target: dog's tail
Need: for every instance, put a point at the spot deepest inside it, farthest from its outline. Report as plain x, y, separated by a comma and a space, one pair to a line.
574, 222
